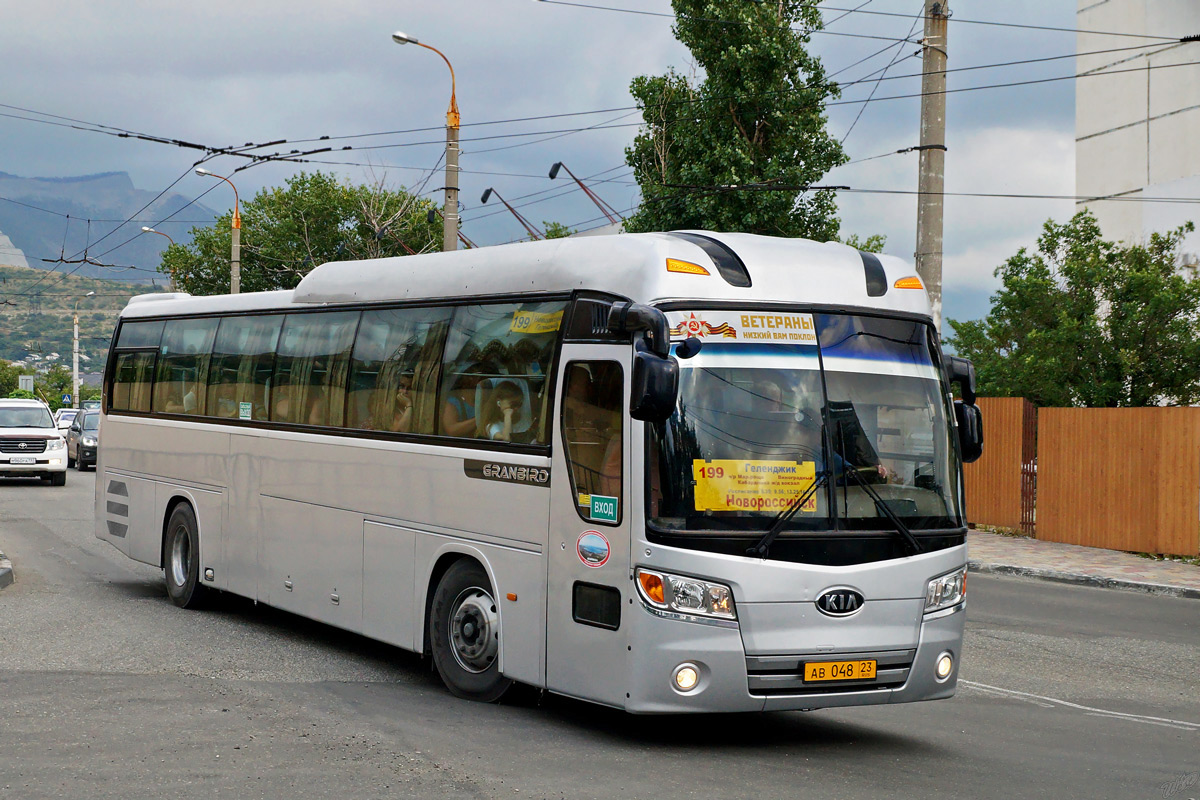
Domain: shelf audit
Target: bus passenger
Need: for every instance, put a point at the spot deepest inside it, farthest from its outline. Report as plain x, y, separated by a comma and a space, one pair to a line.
504, 413
458, 415
402, 411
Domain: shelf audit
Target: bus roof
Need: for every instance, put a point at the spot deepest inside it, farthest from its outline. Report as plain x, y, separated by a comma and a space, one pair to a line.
630, 265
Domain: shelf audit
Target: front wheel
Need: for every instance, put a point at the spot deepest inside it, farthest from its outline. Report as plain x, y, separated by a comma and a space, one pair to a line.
58, 479
181, 558
464, 634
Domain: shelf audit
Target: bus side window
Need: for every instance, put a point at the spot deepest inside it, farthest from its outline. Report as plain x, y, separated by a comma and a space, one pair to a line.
132, 380
394, 370
243, 359
309, 386
179, 387
593, 424
496, 356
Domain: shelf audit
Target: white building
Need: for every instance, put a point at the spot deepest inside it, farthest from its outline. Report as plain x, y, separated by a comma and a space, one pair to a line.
1137, 116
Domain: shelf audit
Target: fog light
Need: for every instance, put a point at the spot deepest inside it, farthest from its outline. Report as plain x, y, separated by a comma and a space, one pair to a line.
686, 677
945, 665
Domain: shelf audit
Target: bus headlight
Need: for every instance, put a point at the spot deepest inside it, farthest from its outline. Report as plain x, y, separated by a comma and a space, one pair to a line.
946, 591
682, 595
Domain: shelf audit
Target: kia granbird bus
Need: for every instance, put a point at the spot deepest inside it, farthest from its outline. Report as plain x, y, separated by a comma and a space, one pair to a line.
678, 472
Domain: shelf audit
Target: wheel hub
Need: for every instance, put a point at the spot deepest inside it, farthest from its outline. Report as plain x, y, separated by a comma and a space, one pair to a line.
180, 558
474, 630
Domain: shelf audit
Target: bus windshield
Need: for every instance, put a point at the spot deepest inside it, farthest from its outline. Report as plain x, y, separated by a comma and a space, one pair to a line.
774, 401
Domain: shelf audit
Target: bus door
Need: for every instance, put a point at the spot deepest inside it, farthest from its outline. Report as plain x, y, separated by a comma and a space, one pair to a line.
588, 566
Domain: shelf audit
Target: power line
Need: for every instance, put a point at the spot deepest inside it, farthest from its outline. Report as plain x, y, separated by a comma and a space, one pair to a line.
1003, 24
859, 11
778, 187
804, 31
879, 80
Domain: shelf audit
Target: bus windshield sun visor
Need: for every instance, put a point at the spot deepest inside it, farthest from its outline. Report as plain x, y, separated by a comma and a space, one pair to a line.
728, 263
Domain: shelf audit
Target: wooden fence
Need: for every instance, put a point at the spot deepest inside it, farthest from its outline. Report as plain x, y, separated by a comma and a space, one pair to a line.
1000, 485
1118, 478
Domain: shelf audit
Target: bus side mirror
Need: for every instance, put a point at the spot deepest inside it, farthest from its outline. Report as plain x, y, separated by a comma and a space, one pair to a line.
970, 430
654, 385
962, 372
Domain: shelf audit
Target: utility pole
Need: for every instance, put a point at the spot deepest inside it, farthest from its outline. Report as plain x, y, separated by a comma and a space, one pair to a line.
75, 355
932, 181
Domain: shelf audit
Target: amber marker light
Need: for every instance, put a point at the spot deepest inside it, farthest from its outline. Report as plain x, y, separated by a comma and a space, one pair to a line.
911, 282
652, 587
686, 267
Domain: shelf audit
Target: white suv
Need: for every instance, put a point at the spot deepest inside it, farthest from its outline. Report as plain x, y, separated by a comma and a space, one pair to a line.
30, 443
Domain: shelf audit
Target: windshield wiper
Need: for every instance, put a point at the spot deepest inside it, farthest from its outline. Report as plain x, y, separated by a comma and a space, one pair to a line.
880, 505
759, 550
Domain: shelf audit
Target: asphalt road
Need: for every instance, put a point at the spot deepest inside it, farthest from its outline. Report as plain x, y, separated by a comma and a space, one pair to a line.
109, 691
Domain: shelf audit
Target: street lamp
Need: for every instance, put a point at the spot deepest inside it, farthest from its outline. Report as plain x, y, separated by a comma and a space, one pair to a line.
450, 215
75, 355
533, 232
169, 239
235, 259
605, 208
160, 233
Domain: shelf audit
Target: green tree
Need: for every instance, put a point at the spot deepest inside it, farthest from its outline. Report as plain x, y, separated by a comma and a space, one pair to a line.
556, 230
8, 378
872, 244
288, 230
1087, 322
756, 117
53, 384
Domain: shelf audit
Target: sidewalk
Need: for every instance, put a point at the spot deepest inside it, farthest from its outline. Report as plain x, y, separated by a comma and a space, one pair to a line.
1068, 563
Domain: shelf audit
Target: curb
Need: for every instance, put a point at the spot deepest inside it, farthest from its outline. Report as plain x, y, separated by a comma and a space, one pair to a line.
6, 571
1085, 580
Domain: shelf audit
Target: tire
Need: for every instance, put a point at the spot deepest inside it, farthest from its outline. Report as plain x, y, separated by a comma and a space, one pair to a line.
78, 463
464, 634
58, 479
71, 462
181, 558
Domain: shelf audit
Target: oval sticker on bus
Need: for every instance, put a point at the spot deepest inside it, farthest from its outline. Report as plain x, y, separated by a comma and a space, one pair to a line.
592, 548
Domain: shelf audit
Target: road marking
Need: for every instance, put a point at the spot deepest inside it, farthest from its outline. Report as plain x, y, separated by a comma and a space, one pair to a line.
1050, 702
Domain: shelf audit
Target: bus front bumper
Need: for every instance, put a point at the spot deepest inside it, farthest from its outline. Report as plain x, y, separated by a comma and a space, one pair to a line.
730, 681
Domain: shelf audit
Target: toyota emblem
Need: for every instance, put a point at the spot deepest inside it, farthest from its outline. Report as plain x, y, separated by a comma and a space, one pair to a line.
22, 445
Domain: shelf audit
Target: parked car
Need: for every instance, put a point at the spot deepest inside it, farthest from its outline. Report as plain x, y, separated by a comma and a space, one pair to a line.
64, 417
30, 444
90, 405
83, 437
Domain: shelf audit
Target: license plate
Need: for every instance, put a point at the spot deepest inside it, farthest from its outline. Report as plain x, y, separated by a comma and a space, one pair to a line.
22, 460
839, 670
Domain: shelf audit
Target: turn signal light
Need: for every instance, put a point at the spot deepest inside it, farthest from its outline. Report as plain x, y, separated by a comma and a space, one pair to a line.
686, 267
911, 282
652, 587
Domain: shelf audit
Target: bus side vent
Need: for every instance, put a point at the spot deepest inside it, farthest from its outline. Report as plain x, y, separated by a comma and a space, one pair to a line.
727, 262
599, 606
599, 318
876, 277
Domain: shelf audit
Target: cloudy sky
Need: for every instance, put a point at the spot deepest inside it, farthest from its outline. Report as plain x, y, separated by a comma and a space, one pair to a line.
225, 73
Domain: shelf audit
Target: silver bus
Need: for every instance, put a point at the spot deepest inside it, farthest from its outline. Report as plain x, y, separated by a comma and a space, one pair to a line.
676, 472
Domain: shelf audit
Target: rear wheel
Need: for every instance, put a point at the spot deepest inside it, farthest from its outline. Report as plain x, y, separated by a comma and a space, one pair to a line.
181, 558
464, 634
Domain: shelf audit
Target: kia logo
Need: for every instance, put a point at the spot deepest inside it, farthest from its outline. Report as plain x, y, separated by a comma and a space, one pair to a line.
840, 602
